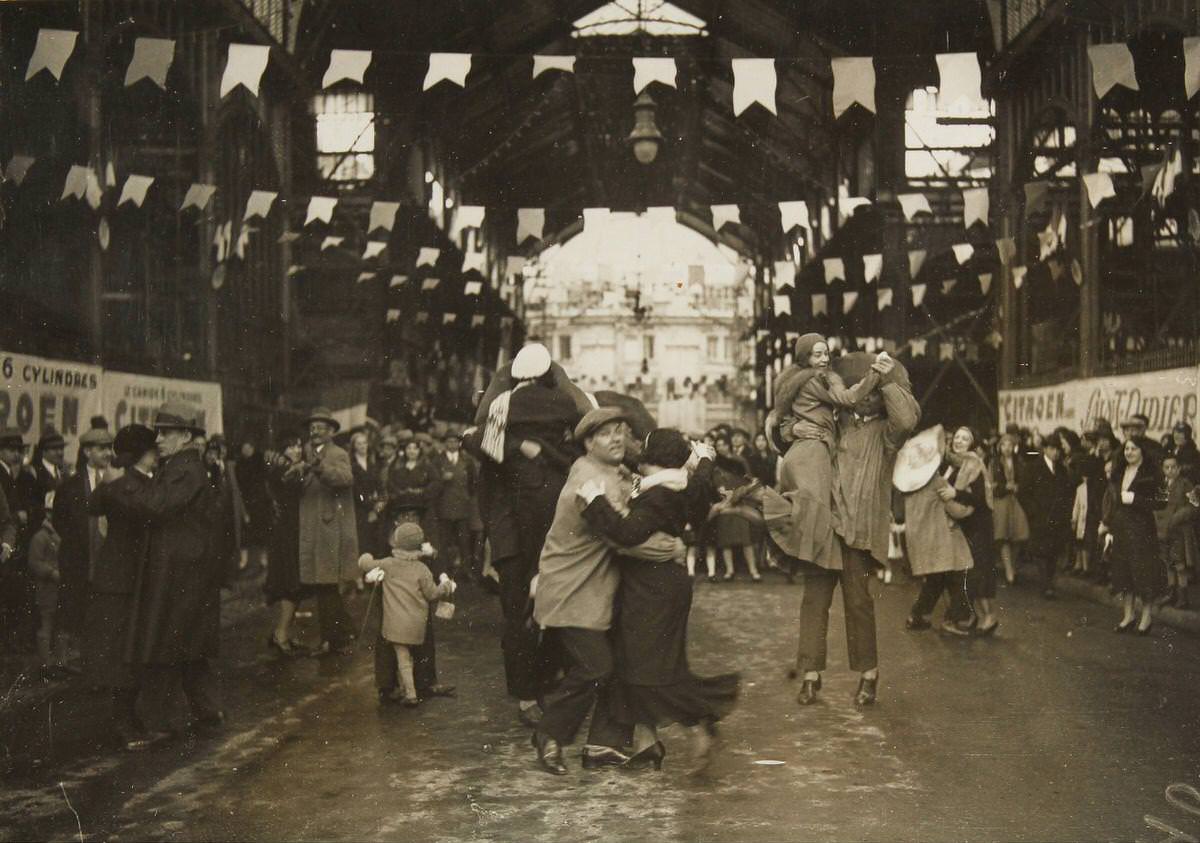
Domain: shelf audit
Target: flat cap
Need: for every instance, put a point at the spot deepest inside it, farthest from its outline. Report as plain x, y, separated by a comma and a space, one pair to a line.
175, 415
51, 439
598, 418
96, 437
10, 437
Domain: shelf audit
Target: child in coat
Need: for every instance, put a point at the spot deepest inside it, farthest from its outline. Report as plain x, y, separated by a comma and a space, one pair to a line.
43, 564
408, 589
1177, 531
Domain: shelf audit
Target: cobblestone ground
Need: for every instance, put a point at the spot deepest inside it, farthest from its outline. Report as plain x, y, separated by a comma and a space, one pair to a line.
1056, 729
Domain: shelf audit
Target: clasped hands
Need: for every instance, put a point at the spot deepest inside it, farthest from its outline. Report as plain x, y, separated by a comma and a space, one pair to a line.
883, 364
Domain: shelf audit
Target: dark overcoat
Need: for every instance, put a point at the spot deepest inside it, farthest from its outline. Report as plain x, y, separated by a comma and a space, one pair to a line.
176, 606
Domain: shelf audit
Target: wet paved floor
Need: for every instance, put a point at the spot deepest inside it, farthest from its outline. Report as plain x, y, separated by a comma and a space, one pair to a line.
1057, 729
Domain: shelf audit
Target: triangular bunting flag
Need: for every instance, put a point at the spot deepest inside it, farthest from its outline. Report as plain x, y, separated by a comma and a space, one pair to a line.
331, 243
452, 67
93, 194
1099, 187
849, 299
962, 252
245, 66
514, 265
531, 222
54, 47
294, 269
1018, 276
1191, 66
975, 206
259, 204
853, 82
725, 213
835, 270
374, 249
477, 320
468, 216
783, 304
916, 260
948, 285
110, 175
422, 316
397, 281
473, 261
428, 256
884, 297
820, 304
985, 282
383, 215
472, 288
959, 80
918, 347
946, 351
785, 274
1006, 248
365, 276
76, 184
135, 190
198, 196
872, 267
647, 70
18, 167
543, 63
913, 204
447, 318
393, 314
346, 64
320, 208
792, 214
151, 60
753, 82
918, 294
1112, 65
430, 284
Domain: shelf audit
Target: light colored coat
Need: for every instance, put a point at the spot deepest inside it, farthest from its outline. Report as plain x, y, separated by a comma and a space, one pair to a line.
936, 542
408, 589
328, 533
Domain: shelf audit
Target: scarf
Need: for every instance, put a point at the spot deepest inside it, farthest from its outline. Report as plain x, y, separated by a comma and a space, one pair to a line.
497, 420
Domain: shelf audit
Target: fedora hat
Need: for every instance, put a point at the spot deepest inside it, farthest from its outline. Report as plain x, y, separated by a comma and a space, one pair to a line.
10, 437
323, 414
175, 415
918, 459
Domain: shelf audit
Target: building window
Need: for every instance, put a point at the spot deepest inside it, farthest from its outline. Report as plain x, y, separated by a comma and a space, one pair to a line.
564, 348
345, 136
648, 347
630, 17
713, 347
943, 152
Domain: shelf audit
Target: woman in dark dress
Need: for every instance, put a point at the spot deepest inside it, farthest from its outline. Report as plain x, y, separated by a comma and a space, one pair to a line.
732, 529
966, 476
1135, 490
285, 481
251, 474
653, 685
366, 495
412, 488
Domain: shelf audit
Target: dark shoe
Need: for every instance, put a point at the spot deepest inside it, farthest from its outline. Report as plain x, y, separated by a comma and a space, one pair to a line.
916, 624
549, 754
1124, 627
808, 691
531, 716
653, 754
1181, 599
385, 696
284, 648
595, 757
867, 689
439, 691
713, 579
410, 702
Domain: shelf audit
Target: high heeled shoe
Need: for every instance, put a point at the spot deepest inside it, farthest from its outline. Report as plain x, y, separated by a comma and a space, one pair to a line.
653, 754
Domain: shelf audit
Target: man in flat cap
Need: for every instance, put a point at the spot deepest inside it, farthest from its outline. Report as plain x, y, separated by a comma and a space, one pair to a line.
577, 582
175, 621
121, 561
523, 444
328, 530
82, 534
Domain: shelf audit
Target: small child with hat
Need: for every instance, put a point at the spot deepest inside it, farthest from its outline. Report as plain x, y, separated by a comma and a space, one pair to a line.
408, 589
43, 564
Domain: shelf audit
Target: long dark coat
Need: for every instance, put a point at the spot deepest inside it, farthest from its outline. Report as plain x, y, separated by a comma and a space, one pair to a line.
1047, 500
328, 532
177, 603
367, 491
122, 558
74, 557
1136, 565
283, 560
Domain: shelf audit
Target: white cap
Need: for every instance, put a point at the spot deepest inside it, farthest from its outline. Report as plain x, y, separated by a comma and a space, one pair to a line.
532, 361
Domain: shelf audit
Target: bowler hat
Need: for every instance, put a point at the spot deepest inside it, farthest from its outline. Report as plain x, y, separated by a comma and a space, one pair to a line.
596, 419
175, 415
918, 460
10, 437
132, 442
51, 439
322, 414
96, 438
